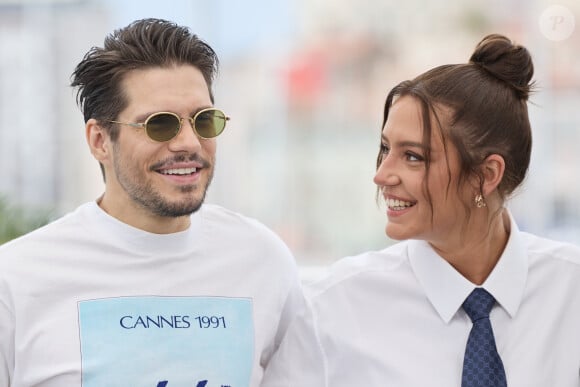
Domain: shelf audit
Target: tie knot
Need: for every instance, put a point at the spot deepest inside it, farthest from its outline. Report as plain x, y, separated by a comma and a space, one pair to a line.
478, 304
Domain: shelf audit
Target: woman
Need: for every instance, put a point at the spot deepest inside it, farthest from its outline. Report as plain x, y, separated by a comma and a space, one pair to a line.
455, 144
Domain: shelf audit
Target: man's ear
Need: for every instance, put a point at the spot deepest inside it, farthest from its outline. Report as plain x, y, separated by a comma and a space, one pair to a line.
492, 169
98, 140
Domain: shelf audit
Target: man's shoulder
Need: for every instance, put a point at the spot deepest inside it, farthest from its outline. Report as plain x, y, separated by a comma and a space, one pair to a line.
223, 217
63, 230
235, 226
214, 211
43, 233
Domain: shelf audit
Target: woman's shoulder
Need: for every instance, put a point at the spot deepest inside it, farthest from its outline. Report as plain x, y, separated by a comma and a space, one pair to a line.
360, 266
546, 248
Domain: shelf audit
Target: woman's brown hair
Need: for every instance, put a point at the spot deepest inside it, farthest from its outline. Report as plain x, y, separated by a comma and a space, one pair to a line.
487, 101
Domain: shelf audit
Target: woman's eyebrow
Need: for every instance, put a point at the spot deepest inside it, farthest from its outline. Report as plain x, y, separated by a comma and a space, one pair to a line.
405, 143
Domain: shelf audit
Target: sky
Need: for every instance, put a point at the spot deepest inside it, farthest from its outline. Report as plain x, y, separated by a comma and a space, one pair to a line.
229, 26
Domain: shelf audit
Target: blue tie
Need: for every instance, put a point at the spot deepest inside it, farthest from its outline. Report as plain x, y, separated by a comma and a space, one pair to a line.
482, 366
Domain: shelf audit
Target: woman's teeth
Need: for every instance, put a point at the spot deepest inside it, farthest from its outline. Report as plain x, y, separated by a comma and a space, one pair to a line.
395, 204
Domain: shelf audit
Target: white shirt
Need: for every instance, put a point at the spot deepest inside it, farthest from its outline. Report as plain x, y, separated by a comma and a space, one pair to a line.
394, 318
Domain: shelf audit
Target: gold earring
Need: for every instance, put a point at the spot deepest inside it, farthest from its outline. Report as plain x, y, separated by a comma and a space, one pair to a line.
479, 201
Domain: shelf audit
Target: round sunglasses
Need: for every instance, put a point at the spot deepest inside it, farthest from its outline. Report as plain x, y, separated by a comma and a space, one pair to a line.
163, 126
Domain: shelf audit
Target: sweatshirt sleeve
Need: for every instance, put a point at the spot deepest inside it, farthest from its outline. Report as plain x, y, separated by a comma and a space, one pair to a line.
6, 342
299, 361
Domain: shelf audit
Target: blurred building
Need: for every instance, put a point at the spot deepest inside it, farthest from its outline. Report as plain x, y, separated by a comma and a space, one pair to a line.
42, 148
305, 83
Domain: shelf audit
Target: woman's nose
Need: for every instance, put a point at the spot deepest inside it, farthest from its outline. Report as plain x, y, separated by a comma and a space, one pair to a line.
386, 174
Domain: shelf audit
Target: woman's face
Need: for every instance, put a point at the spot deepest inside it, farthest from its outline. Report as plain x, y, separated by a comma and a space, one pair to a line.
404, 180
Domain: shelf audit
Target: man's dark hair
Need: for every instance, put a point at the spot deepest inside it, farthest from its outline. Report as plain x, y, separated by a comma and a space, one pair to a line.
140, 45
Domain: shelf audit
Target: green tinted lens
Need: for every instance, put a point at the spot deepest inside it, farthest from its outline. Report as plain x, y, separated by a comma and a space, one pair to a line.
162, 127
210, 123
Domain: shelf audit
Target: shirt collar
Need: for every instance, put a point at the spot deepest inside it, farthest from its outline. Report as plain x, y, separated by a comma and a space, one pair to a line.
139, 241
446, 289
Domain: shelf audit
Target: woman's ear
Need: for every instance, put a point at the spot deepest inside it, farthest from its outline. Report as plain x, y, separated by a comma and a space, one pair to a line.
492, 169
98, 140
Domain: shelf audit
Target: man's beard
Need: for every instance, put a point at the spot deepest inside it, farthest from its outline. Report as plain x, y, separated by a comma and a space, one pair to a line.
147, 197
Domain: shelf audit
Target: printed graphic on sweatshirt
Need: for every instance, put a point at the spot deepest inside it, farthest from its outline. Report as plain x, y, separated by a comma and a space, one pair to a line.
166, 342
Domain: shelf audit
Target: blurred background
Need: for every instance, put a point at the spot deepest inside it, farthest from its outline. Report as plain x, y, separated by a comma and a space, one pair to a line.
304, 82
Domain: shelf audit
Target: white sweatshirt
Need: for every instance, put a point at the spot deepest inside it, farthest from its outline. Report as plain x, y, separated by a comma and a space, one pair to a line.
90, 301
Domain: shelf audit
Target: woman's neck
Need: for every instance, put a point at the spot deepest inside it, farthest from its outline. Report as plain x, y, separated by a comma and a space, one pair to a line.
476, 253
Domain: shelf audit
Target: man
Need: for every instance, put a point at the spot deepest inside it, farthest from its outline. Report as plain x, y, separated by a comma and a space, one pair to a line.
146, 286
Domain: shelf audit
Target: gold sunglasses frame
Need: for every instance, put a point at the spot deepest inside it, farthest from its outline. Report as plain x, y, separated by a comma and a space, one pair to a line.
180, 119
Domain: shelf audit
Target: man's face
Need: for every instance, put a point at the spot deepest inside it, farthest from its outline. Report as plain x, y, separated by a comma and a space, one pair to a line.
160, 179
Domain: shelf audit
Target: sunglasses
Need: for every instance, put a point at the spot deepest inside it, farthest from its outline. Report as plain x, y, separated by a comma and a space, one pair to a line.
163, 126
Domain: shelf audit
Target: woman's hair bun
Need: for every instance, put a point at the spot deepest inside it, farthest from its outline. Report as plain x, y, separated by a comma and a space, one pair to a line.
506, 61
